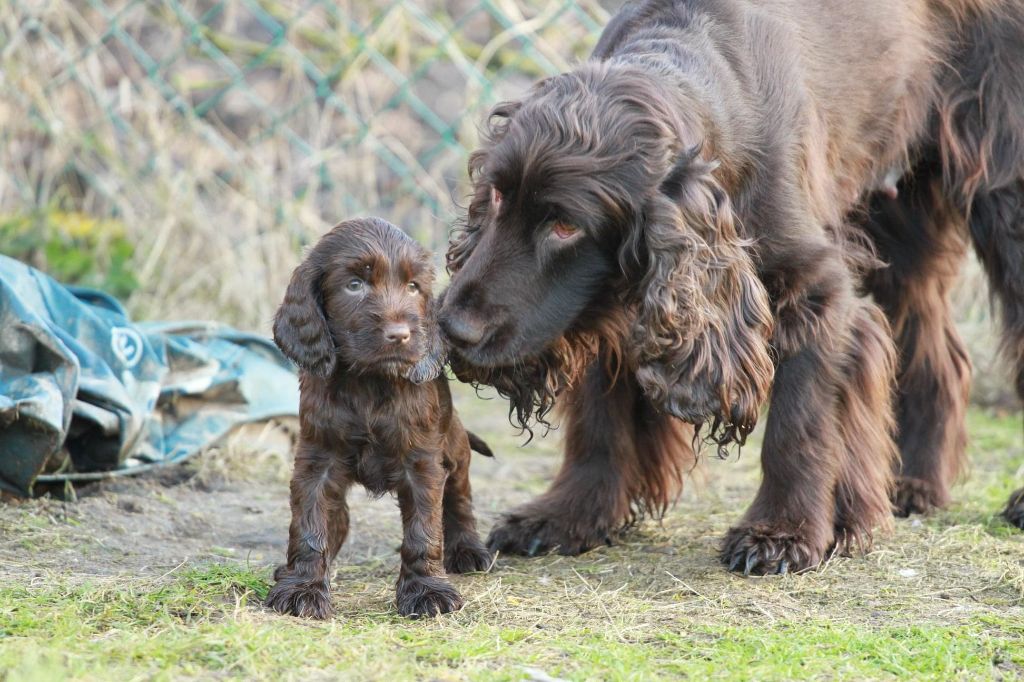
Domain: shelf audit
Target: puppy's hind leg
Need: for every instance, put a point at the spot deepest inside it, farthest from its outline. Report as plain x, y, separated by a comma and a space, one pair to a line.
463, 550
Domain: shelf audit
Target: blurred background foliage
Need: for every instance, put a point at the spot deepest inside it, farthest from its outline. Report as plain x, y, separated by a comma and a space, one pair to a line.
180, 153
74, 247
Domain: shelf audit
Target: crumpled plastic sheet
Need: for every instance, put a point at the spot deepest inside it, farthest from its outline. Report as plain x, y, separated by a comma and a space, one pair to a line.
85, 393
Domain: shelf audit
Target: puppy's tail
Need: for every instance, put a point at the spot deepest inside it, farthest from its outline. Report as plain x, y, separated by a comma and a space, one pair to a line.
477, 443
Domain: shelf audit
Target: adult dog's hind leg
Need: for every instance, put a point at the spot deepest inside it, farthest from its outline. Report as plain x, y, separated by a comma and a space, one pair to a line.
997, 228
621, 457
919, 235
981, 134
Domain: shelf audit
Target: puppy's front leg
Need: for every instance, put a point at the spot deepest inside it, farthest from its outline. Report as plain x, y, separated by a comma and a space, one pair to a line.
423, 589
318, 529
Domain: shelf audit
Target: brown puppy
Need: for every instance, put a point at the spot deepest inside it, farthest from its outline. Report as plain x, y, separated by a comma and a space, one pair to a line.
375, 409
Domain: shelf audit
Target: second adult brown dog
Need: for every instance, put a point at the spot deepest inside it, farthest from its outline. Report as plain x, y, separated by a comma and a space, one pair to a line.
688, 226
375, 409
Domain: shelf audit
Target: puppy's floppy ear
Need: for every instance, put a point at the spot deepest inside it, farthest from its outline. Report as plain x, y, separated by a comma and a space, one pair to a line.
431, 364
300, 326
703, 318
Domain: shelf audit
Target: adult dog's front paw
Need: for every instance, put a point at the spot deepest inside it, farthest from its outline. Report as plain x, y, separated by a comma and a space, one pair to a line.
531, 531
1014, 512
300, 597
427, 597
761, 549
915, 496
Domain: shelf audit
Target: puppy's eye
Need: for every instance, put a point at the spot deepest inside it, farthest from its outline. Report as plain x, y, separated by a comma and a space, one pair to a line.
355, 285
563, 230
413, 287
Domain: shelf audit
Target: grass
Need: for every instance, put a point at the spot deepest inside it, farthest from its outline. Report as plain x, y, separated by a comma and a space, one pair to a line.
939, 598
205, 620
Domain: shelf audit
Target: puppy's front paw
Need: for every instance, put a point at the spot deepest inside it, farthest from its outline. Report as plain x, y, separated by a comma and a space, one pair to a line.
466, 557
427, 597
302, 598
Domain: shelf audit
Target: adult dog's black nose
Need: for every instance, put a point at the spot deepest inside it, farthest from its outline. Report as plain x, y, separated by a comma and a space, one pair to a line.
462, 330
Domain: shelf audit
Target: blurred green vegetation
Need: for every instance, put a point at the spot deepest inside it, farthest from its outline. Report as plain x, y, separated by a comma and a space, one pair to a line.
73, 247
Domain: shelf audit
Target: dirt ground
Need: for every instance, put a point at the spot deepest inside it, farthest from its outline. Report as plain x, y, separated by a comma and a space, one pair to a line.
232, 502
229, 506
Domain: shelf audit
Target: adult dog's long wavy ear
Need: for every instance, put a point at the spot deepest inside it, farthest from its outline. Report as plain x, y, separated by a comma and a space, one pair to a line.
300, 327
703, 318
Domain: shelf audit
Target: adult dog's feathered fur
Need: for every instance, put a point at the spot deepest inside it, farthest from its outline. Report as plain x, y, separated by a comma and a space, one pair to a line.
729, 204
374, 409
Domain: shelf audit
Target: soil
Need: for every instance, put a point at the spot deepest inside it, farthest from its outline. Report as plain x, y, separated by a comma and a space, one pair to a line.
220, 506
231, 505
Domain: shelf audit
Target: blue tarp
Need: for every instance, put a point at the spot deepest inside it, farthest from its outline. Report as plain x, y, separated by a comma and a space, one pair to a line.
83, 390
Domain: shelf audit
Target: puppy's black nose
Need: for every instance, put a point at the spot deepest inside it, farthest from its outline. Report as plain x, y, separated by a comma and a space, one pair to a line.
397, 332
462, 331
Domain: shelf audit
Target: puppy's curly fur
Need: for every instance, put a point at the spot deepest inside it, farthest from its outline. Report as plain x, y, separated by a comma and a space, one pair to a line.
375, 409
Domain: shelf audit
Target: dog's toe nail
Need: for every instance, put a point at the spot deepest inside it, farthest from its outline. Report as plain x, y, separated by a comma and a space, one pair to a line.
534, 547
735, 563
751, 563
783, 567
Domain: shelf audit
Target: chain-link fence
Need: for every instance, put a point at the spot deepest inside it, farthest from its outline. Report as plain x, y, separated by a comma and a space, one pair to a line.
181, 152
217, 138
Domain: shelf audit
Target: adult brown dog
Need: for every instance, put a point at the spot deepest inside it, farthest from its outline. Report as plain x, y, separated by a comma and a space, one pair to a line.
374, 409
691, 223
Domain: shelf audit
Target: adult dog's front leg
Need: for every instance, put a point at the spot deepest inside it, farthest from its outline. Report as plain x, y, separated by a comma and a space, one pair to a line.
621, 456
828, 452
423, 589
789, 527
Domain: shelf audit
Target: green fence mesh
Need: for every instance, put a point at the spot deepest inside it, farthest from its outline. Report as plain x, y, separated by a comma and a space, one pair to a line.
219, 137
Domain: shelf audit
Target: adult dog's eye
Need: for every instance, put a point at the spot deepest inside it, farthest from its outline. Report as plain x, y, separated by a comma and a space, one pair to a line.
413, 288
355, 285
563, 230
